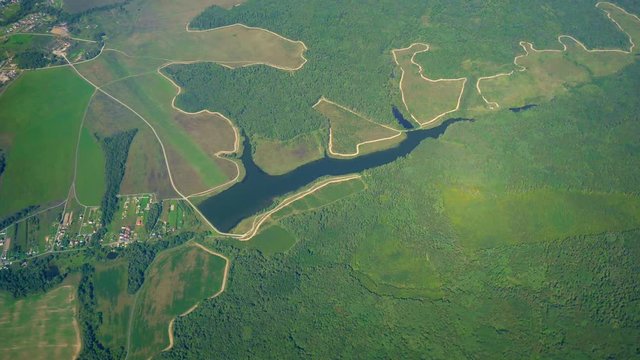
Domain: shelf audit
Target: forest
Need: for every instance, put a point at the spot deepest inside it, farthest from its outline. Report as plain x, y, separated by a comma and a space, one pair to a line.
116, 150
341, 290
41, 275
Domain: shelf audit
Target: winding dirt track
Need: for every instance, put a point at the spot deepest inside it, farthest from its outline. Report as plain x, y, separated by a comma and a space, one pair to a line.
222, 289
421, 72
357, 152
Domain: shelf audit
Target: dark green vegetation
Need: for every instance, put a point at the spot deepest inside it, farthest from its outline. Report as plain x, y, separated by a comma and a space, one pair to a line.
41, 114
10, 219
41, 275
141, 255
178, 280
152, 218
89, 318
116, 149
3, 162
350, 53
389, 273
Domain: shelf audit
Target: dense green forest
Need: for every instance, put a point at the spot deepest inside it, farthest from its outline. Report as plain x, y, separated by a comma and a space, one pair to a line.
3, 162
116, 149
41, 275
152, 217
569, 297
349, 54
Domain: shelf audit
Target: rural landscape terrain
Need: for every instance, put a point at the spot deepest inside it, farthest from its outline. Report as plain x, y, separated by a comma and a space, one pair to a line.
437, 179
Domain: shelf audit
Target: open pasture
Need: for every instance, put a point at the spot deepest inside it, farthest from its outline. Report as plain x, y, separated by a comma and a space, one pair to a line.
41, 326
113, 301
90, 178
78, 6
349, 131
193, 169
160, 29
427, 100
276, 157
146, 170
39, 123
273, 240
176, 282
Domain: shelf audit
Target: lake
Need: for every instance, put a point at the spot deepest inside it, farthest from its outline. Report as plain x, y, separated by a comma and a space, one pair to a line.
258, 189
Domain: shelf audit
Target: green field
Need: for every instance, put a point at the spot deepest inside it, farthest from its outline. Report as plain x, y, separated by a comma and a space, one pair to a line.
151, 95
485, 219
39, 122
349, 131
145, 169
90, 177
114, 302
279, 157
40, 326
176, 281
273, 240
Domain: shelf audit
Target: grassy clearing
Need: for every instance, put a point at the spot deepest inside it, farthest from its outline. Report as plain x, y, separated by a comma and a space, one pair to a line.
213, 134
40, 326
176, 281
629, 23
112, 66
349, 129
151, 95
320, 198
40, 117
425, 99
392, 267
90, 178
146, 170
279, 157
158, 29
485, 219
78, 6
270, 241
549, 73
113, 301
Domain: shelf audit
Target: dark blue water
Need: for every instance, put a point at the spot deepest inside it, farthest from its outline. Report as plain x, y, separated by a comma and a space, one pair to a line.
523, 108
258, 189
401, 119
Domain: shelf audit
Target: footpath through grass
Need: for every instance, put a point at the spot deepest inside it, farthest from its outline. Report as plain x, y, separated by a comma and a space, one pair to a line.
39, 120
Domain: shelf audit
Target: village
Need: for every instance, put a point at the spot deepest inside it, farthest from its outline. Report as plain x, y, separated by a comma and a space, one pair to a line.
139, 218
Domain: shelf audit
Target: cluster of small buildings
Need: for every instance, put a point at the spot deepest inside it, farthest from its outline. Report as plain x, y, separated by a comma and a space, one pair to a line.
125, 234
25, 24
7, 75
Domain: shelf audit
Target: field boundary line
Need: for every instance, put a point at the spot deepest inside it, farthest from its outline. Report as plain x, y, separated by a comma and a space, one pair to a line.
304, 46
223, 287
221, 154
346, 155
528, 45
421, 72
